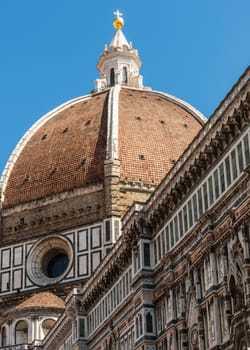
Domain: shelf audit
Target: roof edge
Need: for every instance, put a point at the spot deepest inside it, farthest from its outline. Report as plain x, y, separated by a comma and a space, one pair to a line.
181, 103
27, 136
237, 88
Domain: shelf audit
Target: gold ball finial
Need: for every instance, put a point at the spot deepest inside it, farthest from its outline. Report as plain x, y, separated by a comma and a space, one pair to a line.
118, 22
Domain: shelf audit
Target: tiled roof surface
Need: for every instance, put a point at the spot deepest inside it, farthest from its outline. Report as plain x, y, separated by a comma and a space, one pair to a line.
66, 152
43, 299
153, 133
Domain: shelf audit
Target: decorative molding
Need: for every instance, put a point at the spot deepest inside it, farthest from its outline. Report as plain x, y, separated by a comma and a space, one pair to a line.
113, 123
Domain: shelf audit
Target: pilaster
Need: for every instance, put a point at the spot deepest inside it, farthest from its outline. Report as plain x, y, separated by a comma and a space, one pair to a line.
217, 321
213, 266
112, 188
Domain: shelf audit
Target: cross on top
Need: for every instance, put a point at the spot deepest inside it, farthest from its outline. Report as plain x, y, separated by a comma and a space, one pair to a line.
118, 14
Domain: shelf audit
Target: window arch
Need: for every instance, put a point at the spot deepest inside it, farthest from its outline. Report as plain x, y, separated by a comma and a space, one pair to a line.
112, 76
3, 336
21, 332
139, 325
149, 322
125, 75
47, 325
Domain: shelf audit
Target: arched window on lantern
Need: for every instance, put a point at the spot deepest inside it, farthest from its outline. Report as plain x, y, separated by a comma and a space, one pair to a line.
112, 77
124, 75
21, 332
140, 324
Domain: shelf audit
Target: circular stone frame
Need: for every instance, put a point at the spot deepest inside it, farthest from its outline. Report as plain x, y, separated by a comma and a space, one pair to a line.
41, 254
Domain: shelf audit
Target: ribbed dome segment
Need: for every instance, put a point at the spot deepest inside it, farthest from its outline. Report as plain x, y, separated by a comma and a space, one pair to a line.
68, 150
154, 130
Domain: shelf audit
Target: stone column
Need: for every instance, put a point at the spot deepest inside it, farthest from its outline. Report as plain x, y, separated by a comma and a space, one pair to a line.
245, 233
35, 334
172, 304
217, 320
74, 330
197, 285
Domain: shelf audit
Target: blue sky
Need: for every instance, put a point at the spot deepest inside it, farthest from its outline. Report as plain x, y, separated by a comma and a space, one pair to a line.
195, 50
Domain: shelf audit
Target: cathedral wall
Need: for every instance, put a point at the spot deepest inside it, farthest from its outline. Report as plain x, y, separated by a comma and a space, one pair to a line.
22, 264
130, 195
52, 214
201, 286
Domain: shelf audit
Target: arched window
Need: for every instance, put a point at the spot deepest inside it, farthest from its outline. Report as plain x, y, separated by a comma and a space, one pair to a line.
140, 324
21, 333
3, 337
47, 325
125, 75
112, 77
237, 295
149, 323
137, 327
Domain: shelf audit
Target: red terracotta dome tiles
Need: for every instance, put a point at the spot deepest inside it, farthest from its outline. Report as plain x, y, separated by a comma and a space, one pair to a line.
158, 142
43, 299
53, 163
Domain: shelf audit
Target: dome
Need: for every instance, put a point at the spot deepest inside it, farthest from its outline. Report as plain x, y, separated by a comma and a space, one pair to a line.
143, 130
42, 300
67, 148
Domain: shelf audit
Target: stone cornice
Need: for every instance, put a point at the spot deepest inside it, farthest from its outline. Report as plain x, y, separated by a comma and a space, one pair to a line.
112, 265
233, 111
115, 53
38, 225
63, 326
181, 184
53, 199
30, 311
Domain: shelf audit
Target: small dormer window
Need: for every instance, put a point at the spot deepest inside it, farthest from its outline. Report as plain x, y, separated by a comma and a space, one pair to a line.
112, 77
125, 75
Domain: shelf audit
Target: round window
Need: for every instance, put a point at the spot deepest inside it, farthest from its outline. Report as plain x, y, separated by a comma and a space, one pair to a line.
57, 265
49, 260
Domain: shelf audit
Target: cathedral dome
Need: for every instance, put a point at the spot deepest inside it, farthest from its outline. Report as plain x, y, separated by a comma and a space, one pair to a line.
41, 300
67, 148
144, 130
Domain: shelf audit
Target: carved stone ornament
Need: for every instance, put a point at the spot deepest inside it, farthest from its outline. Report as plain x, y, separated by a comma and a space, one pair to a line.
49, 260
